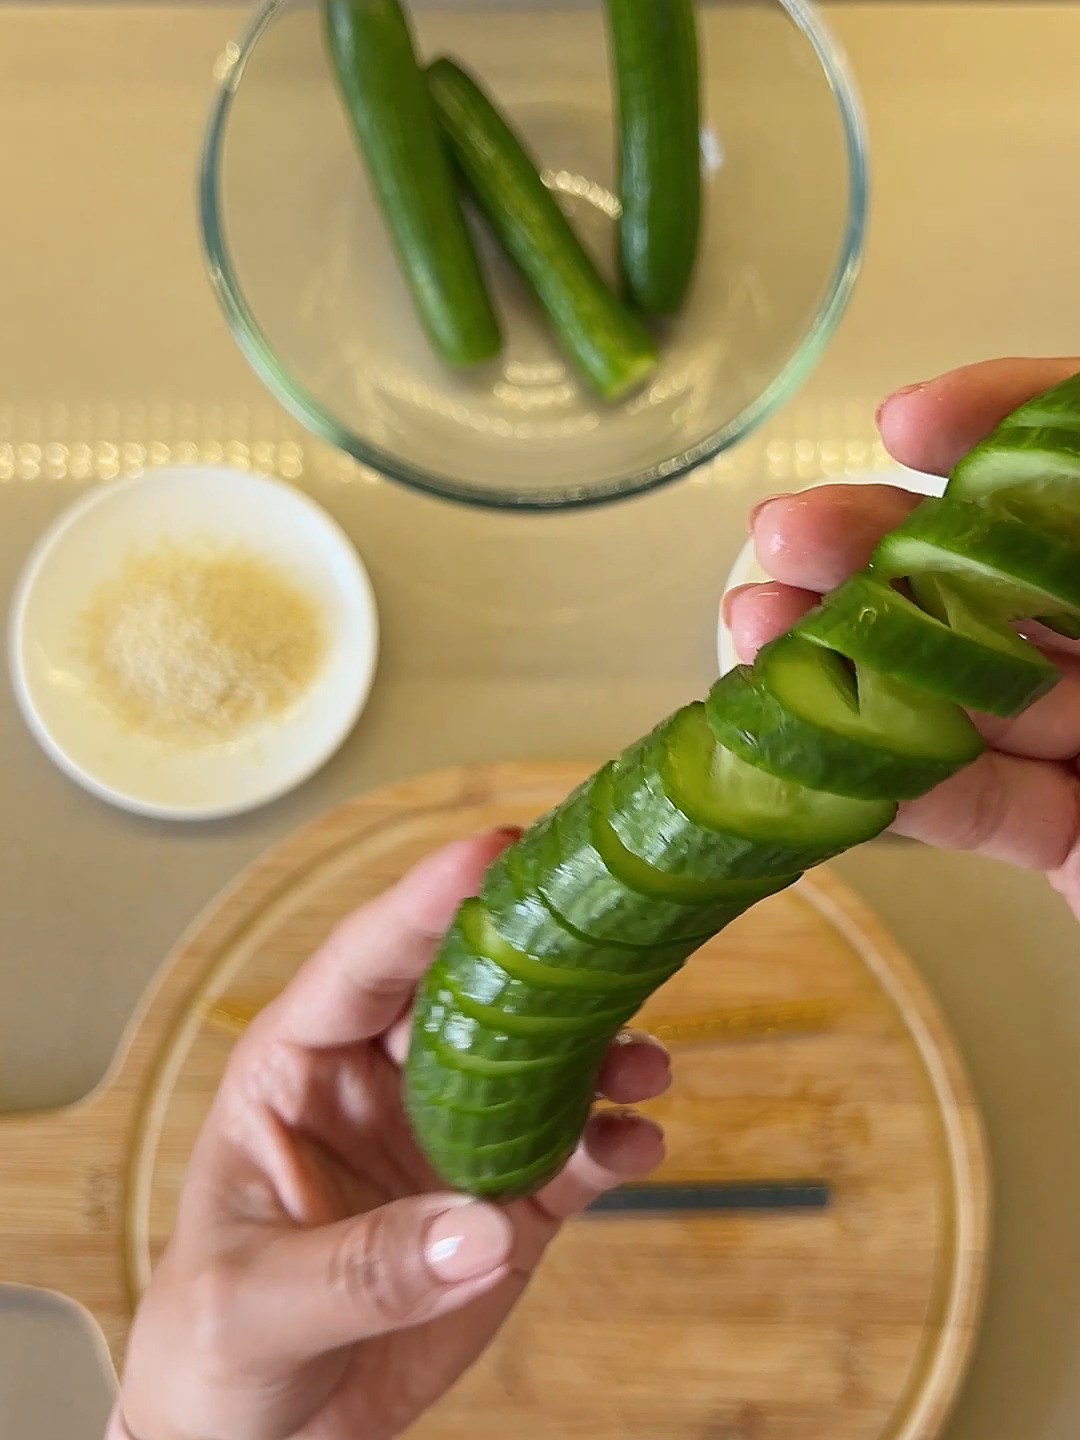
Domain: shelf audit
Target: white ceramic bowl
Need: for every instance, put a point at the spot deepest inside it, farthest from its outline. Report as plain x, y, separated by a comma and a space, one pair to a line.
89, 543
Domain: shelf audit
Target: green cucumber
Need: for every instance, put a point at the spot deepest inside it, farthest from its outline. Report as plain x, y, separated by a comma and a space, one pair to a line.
515, 1166
687, 804
790, 760
1015, 570
446, 1073
649, 880
504, 1028
562, 862
1057, 407
657, 84
525, 920
1029, 465
805, 714
389, 111
600, 335
491, 972
475, 1128
957, 656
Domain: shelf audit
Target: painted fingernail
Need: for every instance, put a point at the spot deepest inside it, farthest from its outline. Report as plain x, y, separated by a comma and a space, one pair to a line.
509, 833
895, 395
467, 1241
641, 1037
762, 505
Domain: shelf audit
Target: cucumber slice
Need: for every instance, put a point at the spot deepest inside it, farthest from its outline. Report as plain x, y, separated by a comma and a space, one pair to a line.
601, 336
1057, 407
654, 52
1066, 625
504, 1039
486, 1129
958, 656
803, 713
694, 806
561, 860
489, 971
393, 122
462, 1127
524, 919
489, 1135
507, 1170
469, 1046
1015, 571
1028, 468
436, 1071
522, 1008
648, 879
651, 826
715, 788
506, 1028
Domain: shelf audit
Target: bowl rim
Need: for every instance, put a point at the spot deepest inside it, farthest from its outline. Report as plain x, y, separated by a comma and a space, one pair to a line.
320, 421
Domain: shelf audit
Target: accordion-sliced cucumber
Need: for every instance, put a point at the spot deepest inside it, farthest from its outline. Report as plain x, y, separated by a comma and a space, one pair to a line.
790, 760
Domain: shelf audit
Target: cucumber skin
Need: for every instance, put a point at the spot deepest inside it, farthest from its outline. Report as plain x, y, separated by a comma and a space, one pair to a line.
562, 862
650, 821
963, 528
393, 122
603, 338
747, 718
884, 640
657, 82
483, 1120
525, 919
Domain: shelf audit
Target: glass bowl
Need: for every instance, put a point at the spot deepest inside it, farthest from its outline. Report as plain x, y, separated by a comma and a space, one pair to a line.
300, 260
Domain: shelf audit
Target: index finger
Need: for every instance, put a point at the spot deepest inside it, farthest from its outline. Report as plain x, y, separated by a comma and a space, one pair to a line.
931, 426
361, 979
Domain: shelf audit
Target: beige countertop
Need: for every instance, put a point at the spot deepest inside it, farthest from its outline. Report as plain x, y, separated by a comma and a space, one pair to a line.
113, 349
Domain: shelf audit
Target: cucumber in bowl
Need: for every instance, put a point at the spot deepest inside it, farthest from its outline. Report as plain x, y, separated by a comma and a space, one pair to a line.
657, 81
605, 340
427, 139
392, 118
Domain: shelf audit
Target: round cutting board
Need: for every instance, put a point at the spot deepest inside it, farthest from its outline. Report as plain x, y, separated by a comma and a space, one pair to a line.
852, 1322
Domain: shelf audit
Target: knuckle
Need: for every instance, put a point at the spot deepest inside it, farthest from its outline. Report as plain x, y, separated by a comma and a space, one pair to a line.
377, 1268
281, 1078
988, 807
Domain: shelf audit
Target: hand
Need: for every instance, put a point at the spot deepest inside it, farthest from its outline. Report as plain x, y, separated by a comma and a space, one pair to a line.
1020, 801
319, 1283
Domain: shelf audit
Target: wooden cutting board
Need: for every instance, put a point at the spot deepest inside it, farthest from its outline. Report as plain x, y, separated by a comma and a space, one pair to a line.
851, 1323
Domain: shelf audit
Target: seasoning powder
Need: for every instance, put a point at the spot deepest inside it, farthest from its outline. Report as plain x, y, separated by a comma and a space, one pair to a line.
196, 645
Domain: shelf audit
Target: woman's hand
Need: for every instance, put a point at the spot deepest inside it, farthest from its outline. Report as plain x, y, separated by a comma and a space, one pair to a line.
320, 1283
1020, 801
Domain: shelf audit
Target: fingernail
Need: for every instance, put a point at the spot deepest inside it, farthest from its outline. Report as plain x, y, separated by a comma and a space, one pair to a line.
895, 395
725, 609
468, 1241
729, 600
756, 510
617, 1116
641, 1037
509, 833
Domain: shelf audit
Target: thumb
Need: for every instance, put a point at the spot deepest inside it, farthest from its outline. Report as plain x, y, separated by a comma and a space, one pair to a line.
401, 1265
